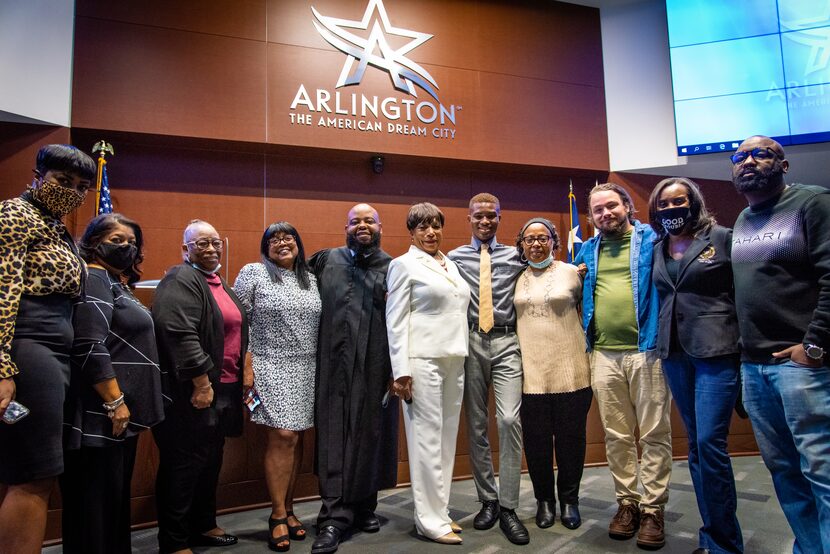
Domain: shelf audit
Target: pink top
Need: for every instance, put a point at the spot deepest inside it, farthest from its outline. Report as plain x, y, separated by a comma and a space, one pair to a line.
233, 329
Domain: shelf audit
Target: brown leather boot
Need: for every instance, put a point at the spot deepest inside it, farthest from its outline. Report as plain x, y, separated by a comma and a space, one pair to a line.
651, 533
625, 522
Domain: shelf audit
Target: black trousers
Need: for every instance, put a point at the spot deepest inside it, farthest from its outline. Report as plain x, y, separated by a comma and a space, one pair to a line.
555, 423
190, 460
341, 514
95, 489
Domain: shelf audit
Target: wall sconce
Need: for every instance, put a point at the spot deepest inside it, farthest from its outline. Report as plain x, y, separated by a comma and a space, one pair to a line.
377, 163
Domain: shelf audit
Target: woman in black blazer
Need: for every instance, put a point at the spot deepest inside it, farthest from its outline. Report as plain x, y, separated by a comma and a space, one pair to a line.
698, 343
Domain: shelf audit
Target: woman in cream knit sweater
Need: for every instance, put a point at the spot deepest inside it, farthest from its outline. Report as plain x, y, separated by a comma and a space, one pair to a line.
556, 394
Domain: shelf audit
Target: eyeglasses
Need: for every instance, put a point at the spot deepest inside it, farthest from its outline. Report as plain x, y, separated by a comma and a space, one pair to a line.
285, 239
203, 244
759, 153
542, 240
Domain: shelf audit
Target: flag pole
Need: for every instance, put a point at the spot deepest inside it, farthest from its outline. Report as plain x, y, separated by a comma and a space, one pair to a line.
571, 198
102, 148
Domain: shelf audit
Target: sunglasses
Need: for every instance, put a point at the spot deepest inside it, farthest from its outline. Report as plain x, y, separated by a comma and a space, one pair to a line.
759, 153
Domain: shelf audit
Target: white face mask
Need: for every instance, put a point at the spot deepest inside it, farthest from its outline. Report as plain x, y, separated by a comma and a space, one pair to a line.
541, 265
205, 271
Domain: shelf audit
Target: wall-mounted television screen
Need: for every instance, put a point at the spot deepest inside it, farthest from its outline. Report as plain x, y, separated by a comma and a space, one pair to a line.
749, 68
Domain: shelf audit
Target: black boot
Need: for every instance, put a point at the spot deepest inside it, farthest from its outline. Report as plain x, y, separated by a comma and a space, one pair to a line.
570, 516
545, 513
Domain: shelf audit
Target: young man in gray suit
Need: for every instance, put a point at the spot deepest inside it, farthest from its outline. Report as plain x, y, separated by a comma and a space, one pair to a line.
491, 270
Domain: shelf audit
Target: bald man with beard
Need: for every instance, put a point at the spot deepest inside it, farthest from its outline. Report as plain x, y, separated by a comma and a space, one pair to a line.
356, 428
781, 267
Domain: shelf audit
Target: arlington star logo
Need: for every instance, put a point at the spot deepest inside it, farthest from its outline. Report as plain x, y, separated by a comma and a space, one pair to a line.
813, 32
375, 50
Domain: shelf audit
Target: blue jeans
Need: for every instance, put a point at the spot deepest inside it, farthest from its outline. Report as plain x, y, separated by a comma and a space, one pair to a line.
704, 391
789, 406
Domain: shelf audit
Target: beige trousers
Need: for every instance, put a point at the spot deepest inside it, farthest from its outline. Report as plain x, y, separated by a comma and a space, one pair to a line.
631, 392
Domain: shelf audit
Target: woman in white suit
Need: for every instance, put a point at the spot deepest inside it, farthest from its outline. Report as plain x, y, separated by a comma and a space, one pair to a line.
426, 321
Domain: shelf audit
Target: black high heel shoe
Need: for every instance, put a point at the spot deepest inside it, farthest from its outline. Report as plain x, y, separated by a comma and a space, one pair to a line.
297, 532
274, 543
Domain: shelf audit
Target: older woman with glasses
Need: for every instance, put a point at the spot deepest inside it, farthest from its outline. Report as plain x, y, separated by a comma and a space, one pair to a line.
556, 392
202, 334
426, 321
280, 295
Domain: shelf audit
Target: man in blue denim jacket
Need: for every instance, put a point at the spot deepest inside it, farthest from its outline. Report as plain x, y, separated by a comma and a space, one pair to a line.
619, 313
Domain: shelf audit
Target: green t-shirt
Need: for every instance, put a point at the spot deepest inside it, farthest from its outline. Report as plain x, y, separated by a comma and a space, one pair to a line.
615, 320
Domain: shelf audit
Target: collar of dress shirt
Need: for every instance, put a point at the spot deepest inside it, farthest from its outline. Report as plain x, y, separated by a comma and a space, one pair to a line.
491, 244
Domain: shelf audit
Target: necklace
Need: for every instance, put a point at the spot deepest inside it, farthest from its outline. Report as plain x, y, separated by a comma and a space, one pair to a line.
441, 260
542, 309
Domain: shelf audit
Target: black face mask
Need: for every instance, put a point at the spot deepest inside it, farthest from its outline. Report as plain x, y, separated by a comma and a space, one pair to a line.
117, 256
674, 220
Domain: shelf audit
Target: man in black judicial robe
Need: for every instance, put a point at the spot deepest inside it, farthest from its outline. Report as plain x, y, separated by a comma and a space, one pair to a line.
356, 434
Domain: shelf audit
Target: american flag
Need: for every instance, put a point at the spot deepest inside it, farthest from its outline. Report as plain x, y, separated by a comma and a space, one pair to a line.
104, 200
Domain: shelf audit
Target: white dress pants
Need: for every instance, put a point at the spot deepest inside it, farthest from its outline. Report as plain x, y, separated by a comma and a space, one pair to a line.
431, 422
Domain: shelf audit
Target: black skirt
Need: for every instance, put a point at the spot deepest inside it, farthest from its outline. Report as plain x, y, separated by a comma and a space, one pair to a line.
31, 449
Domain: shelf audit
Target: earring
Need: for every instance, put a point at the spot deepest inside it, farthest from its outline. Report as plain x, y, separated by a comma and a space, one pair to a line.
522, 258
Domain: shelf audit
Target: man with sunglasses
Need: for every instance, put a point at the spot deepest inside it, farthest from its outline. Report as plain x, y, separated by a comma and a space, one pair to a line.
781, 267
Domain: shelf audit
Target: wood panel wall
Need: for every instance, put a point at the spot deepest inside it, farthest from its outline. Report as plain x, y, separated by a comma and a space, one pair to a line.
526, 77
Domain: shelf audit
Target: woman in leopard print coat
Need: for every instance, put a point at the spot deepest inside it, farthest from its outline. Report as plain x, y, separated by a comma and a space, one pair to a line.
40, 273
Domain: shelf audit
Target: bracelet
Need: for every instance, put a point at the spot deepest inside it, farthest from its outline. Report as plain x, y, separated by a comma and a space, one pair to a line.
110, 407
205, 387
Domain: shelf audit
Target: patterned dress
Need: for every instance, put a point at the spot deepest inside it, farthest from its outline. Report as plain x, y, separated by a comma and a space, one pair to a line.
284, 319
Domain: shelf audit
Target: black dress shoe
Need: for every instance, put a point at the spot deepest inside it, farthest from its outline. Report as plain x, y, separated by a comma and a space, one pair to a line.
213, 540
700, 551
545, 513
487, 515
513, 529
367, 522
328, 539
570, 516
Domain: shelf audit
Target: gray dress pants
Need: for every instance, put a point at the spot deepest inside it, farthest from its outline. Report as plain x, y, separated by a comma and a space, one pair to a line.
494, 358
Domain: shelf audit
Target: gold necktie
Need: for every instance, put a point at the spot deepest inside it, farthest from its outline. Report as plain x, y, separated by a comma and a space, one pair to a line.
485, 292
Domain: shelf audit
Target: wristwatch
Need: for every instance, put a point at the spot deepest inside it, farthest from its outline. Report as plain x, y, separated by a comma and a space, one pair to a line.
814, 352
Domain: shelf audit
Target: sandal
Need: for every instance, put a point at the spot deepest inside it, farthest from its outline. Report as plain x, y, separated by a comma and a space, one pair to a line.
297, 532
275, 544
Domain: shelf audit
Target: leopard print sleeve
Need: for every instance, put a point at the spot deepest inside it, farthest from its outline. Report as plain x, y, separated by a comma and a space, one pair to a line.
35, 259
14, 236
